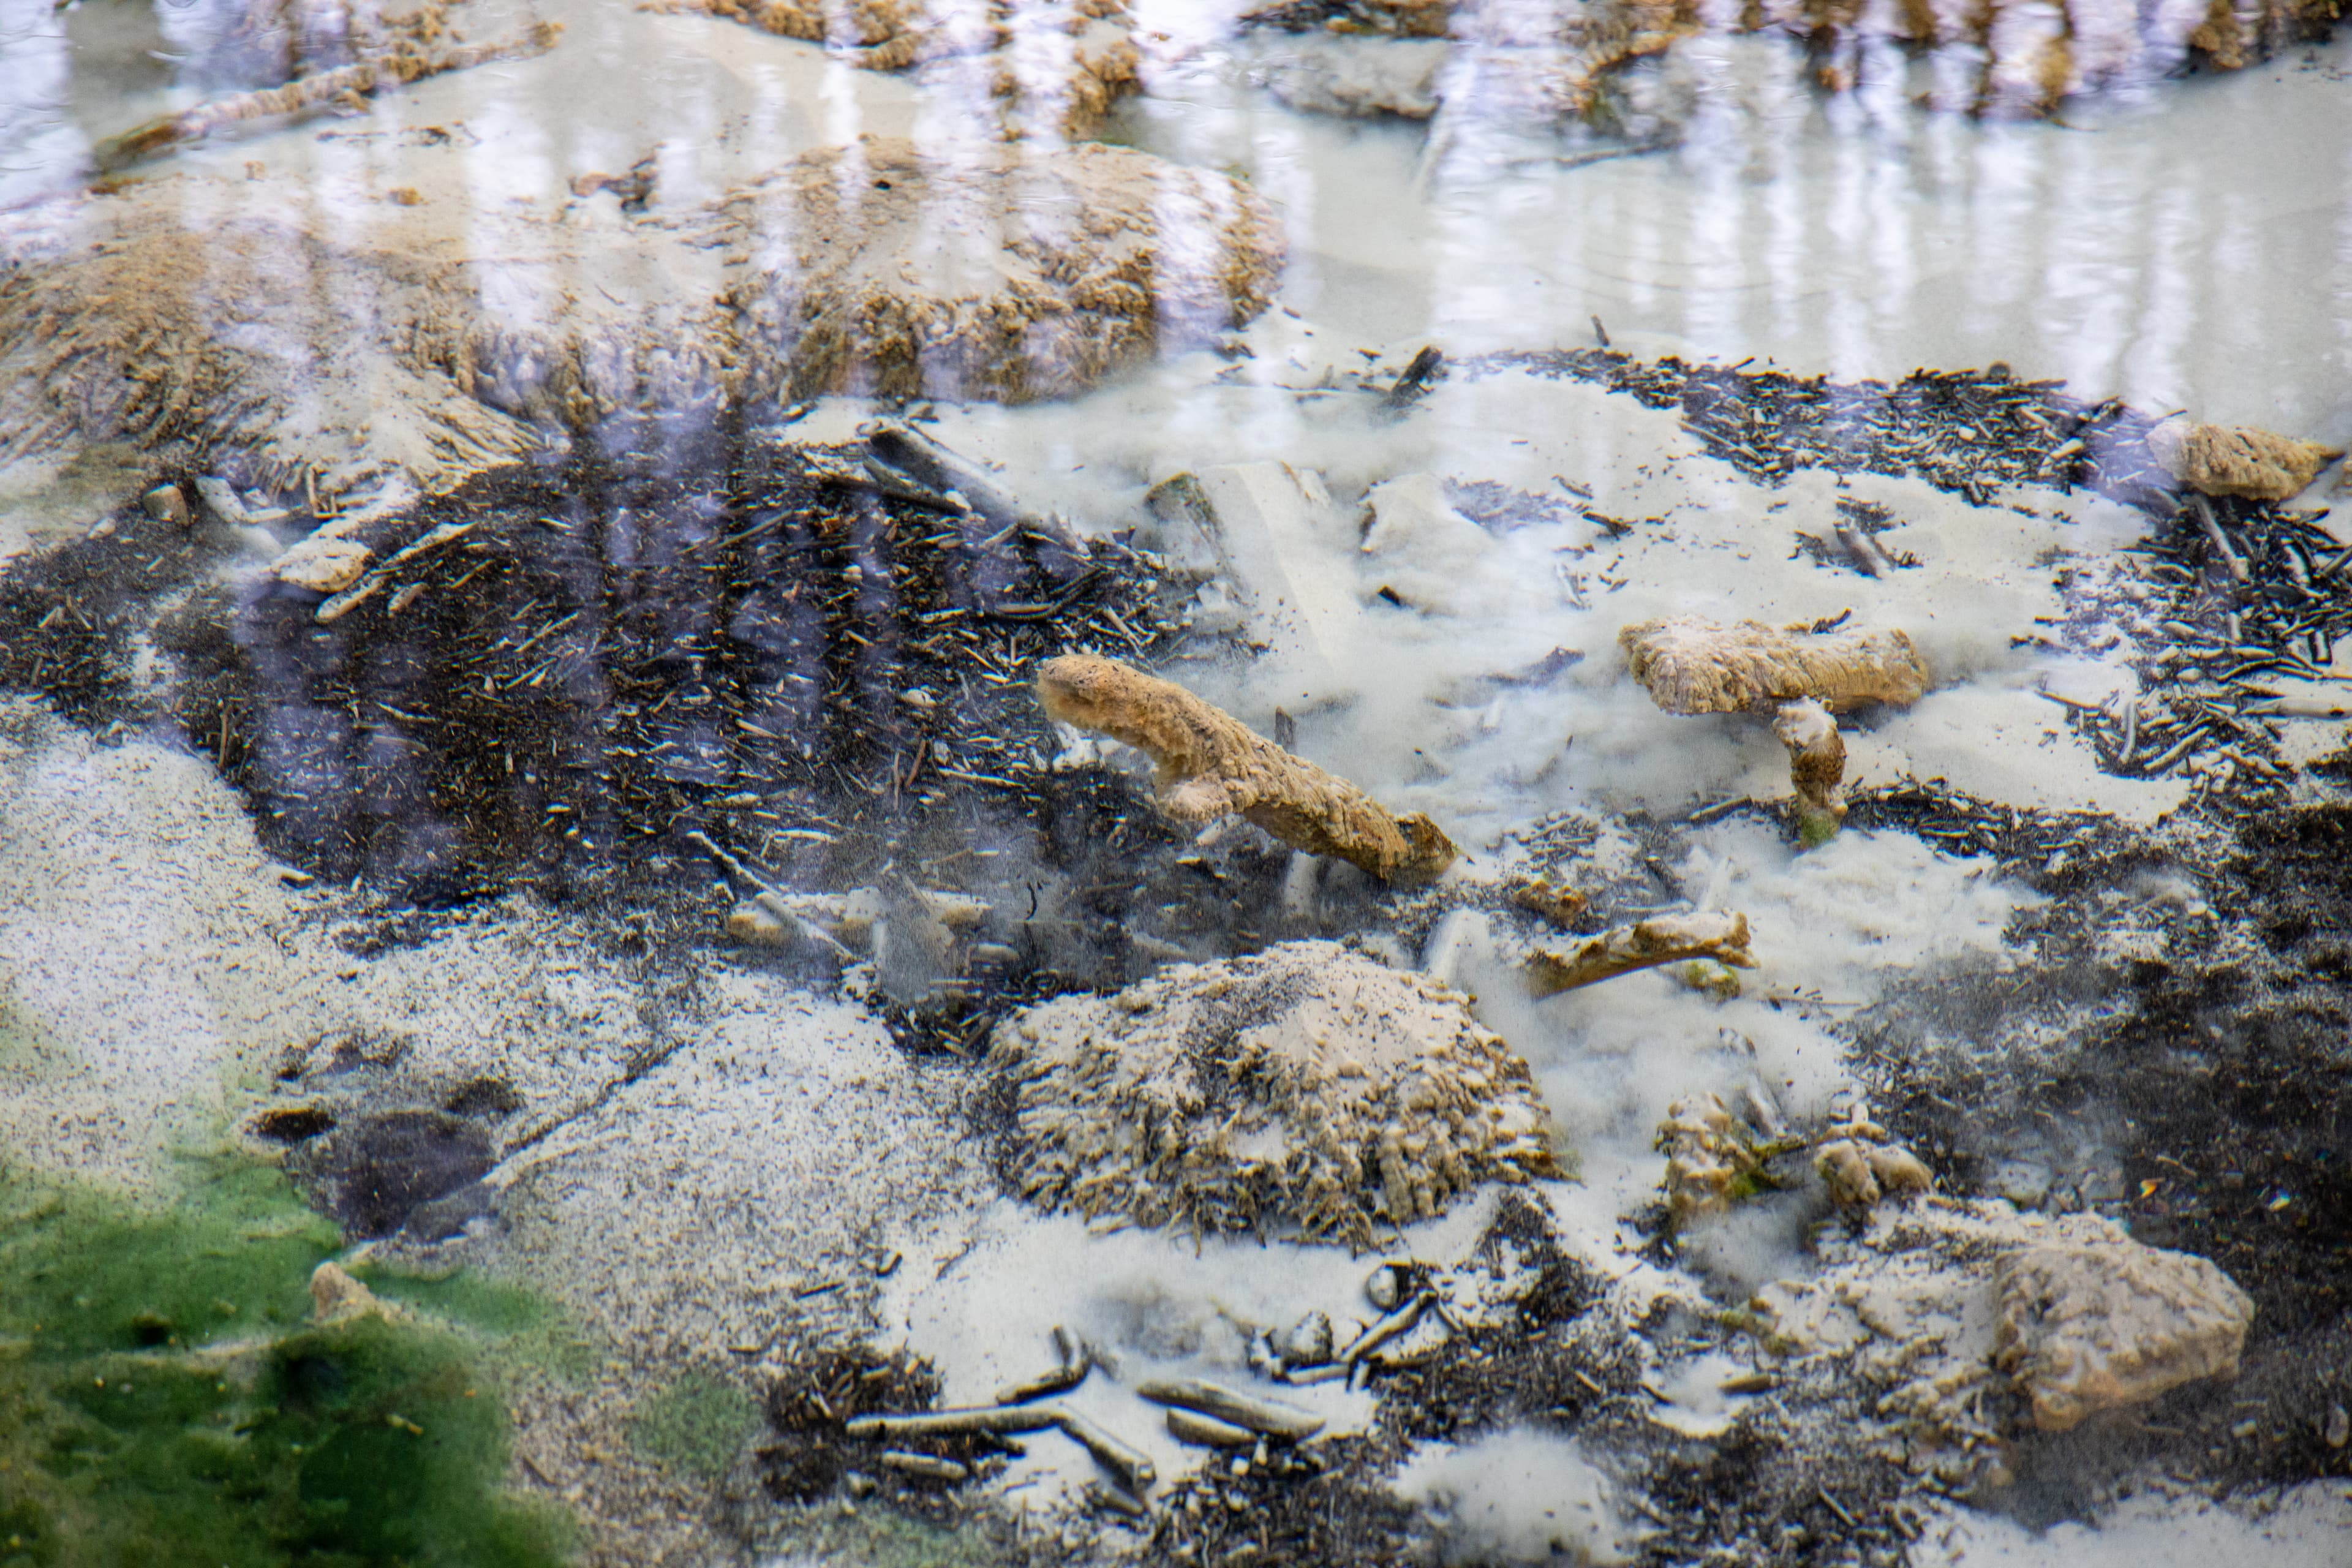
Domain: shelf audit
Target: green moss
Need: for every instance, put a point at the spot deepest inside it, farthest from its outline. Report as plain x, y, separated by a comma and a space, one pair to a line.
695, 1426
519, 1327
163, 1399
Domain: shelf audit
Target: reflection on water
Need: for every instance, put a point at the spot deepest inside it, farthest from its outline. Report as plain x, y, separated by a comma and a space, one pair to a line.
527, 533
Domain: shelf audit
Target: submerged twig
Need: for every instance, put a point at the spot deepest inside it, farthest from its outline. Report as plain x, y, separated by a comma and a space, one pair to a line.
1284, 1423
1209, 764
1719, 934
356, 81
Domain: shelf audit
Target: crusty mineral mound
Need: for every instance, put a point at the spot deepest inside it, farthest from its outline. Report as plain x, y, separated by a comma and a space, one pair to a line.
2238, 460
414, 343
1689, 664
427, 343
1307, 1087
2087, 1327
996, 272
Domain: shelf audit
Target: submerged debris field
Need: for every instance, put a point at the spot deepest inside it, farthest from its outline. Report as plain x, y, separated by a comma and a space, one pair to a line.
2064, 1203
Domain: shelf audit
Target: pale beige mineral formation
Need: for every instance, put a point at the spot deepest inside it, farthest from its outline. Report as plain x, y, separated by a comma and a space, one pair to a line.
1711, 1161
323, 563
1308, 1086
1718, 935
2087, 1327
1860, 1164
1936, 1306
337, 1297
1209, 764
2238, 460
463, 336
1689, 664
1816, 766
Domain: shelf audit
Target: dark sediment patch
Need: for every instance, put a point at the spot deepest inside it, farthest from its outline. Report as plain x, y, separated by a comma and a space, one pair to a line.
2175, 1052
376, 1173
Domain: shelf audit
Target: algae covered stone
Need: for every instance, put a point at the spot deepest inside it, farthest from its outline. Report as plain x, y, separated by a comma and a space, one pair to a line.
1307, 1087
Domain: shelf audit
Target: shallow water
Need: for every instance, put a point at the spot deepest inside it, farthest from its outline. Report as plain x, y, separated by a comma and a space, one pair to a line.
417, 920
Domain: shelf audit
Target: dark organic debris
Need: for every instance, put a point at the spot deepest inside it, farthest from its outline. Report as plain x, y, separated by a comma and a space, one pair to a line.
2235, 600
380, 1172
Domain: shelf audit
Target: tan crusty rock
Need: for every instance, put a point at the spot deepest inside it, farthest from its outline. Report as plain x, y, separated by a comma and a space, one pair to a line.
323, 563
2085, 1327
1712, 1160
337, 1297
1308, 1086
1210, 764
2238, 460
1816, 766
1691, 665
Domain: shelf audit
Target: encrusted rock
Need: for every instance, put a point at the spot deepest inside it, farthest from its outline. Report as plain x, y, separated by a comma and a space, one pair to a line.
2238, 460
1946, 1310
1816, 766
1308, 1086
322, 564
1717, 934
1689, 664
2085, 1327
1860, 1164
337, 1297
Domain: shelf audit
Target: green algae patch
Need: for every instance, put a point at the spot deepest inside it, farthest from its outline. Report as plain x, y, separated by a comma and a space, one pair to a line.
165, 1399
694, 1427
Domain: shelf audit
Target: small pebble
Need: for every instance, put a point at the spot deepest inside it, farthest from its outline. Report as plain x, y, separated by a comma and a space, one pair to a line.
164, 503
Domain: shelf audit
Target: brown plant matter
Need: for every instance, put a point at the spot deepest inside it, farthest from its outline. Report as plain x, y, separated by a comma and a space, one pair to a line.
2238, 460
1306, 1086
1090, 61
1689, 664
1719, 934
2087, 1328
1006, 276
1210, 764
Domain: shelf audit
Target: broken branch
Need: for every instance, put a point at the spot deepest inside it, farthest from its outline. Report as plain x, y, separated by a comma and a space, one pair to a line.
1210, 764
1719, 934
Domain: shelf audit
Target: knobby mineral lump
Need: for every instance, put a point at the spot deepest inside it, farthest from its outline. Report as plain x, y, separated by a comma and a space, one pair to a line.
1307, 1087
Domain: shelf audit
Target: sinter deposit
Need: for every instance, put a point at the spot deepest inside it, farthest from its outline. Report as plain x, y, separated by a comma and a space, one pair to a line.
2238, 460
426, 344
1941, 1307
2087, 1326
1308, 1086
